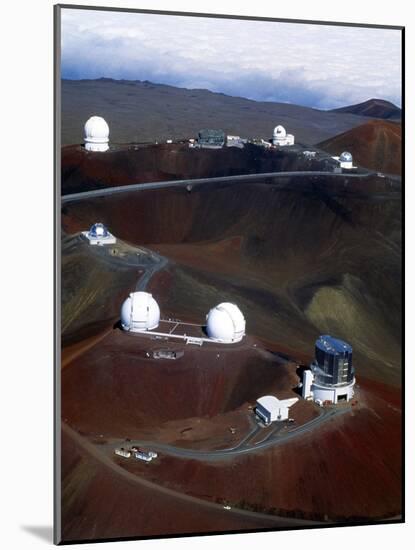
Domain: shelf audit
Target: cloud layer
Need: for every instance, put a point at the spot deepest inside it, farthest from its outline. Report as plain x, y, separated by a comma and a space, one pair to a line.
313, 65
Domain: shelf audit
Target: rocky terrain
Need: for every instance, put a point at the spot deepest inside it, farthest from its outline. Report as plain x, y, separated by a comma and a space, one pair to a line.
376, 145
301, 256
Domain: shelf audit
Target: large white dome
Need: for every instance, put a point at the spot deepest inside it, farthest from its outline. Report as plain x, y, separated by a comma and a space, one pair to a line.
139, 312
96, 134
225, 323
279, 131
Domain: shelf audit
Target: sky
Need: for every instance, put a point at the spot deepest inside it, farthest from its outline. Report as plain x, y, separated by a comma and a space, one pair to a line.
313, 65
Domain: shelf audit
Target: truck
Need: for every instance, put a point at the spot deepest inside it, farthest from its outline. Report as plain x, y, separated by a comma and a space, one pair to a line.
141, 455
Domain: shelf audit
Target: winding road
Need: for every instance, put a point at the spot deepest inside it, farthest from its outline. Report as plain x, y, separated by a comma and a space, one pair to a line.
201, 181
272, 439
97, 452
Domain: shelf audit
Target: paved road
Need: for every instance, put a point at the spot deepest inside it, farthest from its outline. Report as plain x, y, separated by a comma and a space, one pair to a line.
243, 447
98, 453
160, 264
195, 182
135, 257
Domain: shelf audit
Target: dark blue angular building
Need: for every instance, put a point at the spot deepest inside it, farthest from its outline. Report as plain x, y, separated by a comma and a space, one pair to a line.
331, 375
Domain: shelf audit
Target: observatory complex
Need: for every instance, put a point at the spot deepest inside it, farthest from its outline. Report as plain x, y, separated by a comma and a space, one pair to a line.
99, 235
330, 378
280, 138
96, 134
270, 409
225, 323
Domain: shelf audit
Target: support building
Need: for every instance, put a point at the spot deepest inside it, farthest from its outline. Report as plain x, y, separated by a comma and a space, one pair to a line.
270, 409
212, 139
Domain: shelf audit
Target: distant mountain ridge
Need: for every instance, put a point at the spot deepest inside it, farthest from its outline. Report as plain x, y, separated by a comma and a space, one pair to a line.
141, 111
374, 108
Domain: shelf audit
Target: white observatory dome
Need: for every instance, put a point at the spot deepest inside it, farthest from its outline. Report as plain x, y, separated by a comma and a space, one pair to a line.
346, 157
140, 312
97, 133
98, 230
225, 323
279, 131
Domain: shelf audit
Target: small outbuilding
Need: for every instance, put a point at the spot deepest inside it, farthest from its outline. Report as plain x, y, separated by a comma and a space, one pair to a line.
270, 409
235, 141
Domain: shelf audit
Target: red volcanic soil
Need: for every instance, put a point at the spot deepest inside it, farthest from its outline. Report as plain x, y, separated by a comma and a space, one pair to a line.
124, 165
70, 352
376, 145
223, 256
115, 390
87, 274
101, 500
348, 468
293, 257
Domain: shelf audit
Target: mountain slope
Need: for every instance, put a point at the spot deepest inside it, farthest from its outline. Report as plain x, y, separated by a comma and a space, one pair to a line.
376, 145
374, 108
143, 111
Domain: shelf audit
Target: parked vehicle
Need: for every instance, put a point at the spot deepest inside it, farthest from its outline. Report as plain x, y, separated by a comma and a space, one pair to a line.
123, 452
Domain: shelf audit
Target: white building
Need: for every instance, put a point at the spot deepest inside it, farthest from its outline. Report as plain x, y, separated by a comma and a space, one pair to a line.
99, 235
333, 395
281, 138
307, 385
225, 323
270, 409
96, 134
235, 141
345, 160
140, 312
